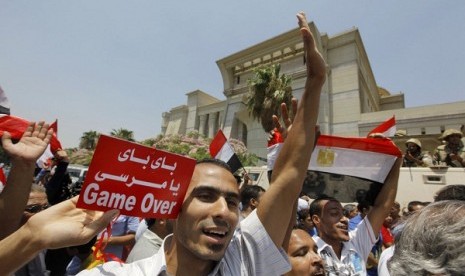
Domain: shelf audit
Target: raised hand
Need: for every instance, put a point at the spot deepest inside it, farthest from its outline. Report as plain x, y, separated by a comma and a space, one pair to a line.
316, 66
31, 145
66, 225
286, 118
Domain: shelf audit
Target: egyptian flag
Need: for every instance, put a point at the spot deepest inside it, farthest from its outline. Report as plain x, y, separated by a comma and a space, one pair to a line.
367, 158
221, 149
387, 128
17, 126
275, 143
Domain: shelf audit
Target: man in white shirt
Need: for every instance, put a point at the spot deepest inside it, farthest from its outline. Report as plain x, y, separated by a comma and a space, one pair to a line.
344, 252
204, 240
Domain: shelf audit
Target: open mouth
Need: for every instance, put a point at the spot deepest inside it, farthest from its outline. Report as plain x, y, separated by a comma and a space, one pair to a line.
216, 234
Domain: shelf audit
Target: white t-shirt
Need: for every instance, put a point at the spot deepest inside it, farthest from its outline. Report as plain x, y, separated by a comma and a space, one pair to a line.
354, 252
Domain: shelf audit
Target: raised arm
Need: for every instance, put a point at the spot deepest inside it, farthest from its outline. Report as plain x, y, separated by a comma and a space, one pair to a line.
59, 226
385, 199
23, 155
291, 166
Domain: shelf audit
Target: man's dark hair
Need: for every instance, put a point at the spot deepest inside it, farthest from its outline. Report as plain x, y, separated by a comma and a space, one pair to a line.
414, 203
150, 222
363, 204
315, 206
249, 192
451, 192
217, 162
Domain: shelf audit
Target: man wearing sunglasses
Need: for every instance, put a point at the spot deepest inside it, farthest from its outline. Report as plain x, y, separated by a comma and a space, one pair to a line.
36, 202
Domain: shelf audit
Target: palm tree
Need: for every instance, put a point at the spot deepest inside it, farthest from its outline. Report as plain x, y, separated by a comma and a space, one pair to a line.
89, 140
267, 90
123, 134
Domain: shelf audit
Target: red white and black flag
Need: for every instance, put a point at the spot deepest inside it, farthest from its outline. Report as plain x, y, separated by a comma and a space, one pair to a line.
221, 149
387, 128
367, 158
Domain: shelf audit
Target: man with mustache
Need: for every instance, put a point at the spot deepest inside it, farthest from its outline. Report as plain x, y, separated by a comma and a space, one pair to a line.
204, 240
345, 252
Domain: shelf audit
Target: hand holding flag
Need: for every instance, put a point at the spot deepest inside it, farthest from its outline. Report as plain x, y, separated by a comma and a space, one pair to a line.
31, 145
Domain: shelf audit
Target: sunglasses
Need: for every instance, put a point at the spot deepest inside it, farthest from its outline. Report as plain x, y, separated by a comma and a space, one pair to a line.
35, 208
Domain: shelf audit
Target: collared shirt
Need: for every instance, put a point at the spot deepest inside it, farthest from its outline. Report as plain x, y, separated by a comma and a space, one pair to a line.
145, 247
250, 252
354, 252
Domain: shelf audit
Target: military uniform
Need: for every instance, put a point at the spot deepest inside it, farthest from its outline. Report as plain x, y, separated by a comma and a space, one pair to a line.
442, 153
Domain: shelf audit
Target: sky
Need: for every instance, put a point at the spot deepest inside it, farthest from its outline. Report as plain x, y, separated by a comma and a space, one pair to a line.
110, 64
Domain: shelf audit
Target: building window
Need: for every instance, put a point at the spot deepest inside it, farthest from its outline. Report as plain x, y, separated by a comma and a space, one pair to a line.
423, 131
238, 79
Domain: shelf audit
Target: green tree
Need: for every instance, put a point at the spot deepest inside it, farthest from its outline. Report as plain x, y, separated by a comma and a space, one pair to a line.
267, 90
123, 134
89, 140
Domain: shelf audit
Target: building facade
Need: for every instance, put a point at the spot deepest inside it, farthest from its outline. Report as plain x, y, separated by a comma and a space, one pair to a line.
351, 102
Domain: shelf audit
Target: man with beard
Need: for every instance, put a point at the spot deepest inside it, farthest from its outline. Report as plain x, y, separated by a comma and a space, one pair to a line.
344, 252
204, 240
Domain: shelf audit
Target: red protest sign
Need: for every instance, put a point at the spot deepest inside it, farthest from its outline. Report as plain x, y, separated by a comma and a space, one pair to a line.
138, 180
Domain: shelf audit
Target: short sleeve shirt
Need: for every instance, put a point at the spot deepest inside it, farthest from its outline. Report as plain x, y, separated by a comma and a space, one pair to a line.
354, 252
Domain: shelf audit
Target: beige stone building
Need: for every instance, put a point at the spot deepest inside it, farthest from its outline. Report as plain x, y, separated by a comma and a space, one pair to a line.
351, 103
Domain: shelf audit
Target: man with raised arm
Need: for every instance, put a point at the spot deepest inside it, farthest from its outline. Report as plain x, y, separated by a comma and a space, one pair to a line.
23, 155
345, 252
204, 240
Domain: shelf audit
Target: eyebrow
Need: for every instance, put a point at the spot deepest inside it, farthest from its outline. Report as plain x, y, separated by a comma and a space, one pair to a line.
215, 191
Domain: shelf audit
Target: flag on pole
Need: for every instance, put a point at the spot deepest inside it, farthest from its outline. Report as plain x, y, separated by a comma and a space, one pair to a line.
275, 144
221, 149
368, 158
387, 128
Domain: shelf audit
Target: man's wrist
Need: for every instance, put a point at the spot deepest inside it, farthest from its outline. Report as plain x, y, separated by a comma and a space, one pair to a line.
23, 164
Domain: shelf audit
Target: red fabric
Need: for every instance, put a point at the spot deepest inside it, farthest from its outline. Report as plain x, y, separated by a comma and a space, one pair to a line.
386, 235
217, 143
386, 127
17, 126
2, 177
379, 145
276, 138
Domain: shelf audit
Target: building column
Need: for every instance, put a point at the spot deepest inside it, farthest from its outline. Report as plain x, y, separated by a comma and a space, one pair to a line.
212, 124
202, 124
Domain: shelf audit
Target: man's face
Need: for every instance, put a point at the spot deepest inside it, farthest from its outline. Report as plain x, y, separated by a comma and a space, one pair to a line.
454, 139
332, 225
36, 203
254, 202
395, 209
303, 255
209, 214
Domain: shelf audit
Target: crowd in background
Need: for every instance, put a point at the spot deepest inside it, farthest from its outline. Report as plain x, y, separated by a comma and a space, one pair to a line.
226, 230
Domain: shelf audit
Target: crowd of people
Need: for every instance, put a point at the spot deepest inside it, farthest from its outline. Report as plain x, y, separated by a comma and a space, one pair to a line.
226, 230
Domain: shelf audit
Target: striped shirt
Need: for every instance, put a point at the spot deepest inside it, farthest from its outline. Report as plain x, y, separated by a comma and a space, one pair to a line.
250, 252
